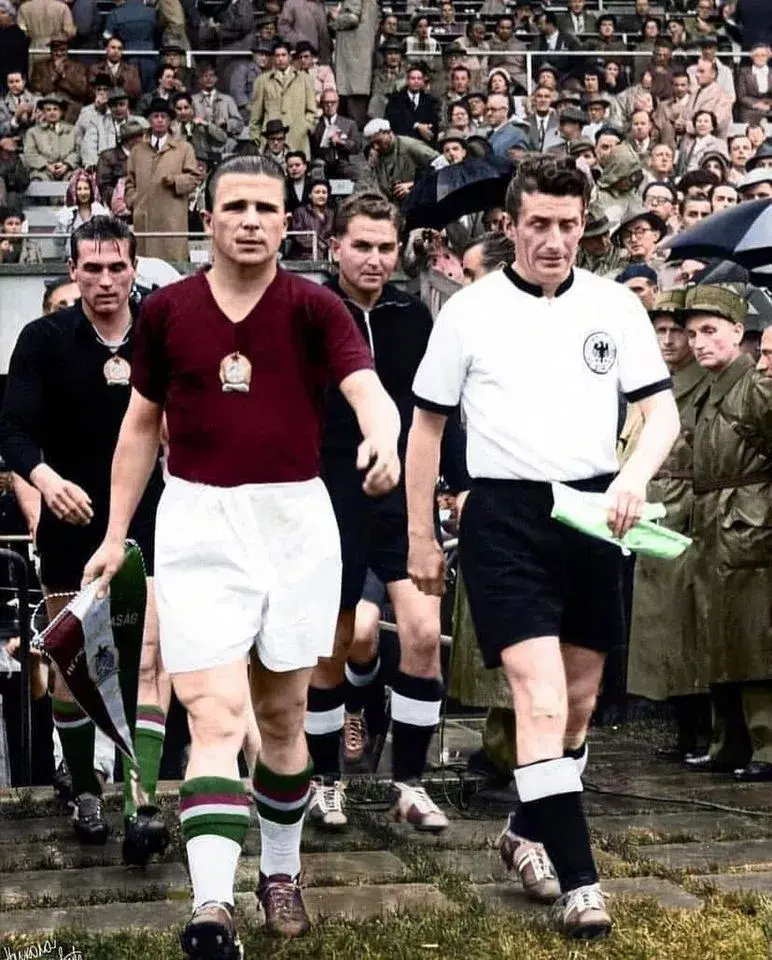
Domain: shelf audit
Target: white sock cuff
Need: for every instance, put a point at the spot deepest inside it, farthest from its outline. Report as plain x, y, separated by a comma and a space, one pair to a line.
320, 722
419, 713
547, 779
362, 679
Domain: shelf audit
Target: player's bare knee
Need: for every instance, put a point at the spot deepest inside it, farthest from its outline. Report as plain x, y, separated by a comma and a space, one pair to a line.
542, 703
420, 644
281, 720
217, 718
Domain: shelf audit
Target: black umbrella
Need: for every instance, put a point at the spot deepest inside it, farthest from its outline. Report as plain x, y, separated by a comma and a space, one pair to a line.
460, 188
742, 233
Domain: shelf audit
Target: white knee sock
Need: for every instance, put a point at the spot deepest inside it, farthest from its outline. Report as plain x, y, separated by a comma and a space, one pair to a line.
212, 861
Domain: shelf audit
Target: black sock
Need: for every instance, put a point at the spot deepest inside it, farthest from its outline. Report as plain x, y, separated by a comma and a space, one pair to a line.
324, 723
415, 713
551, 797
360, 678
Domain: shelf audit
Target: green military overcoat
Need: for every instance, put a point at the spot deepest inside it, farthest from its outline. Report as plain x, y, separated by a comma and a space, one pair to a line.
732, 526
663, 658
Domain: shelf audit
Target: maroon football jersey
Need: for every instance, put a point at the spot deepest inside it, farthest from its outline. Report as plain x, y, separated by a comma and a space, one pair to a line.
245, 401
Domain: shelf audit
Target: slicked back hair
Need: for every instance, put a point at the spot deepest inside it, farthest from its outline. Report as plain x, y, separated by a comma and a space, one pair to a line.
369, 204
244, 164
554, 176
102, 230
495, 248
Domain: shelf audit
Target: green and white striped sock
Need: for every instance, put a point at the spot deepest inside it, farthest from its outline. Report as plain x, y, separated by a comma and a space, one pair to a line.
281, 805
214, 816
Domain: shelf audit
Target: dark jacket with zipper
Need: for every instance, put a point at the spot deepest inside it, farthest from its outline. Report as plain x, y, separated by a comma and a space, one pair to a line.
397, 331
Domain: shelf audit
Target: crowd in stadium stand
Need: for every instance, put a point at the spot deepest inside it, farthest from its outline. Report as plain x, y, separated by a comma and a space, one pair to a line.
666, 109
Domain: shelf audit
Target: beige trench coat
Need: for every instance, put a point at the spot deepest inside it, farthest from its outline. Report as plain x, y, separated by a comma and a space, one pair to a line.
290, 98
158, 206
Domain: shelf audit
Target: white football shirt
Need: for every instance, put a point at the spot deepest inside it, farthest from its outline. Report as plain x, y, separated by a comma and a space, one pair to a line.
538, 379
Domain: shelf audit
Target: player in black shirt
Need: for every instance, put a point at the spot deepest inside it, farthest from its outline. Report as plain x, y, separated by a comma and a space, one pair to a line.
67, 391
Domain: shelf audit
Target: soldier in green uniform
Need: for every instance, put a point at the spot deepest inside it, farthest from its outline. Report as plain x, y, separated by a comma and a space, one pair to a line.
663, 661
732, 530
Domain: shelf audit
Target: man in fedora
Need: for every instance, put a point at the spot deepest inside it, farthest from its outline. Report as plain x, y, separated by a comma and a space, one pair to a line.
596, 251
275, 135
639, 232
111, 166
104, 131
63, 76
161, 173
50, 148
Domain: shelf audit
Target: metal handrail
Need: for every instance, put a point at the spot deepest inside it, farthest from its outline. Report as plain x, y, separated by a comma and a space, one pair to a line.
21, 577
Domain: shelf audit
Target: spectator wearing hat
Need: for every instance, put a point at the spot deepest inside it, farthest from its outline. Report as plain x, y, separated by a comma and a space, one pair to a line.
641, 279
582, 148
60, 75
50, 148
412, 112
120, 73
304, 59
336, 141
452, 145
639, 232
284, 94
242, 78
757, 185
507, 51
439, 70
596, 252
387, 79
17, 107
14, 45
209, 141
597, 114
112, 163
387, 33
663, 657
761, 158
135, 23
173, 54
160, 176
276, 149
398, 161
571, 122
305, 21
732, 530
716, 163
42, 20
754, 85
355, 24
217, 110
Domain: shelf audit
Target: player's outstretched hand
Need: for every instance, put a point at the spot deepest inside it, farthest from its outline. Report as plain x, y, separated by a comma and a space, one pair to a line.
380, 459
103, 566
626, 505
426, 565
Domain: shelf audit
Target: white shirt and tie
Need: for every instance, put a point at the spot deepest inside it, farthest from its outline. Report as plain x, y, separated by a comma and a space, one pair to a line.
578, 21
158, 143
761, 76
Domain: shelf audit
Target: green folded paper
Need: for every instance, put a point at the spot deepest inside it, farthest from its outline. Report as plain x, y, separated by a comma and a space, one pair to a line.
588, 513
